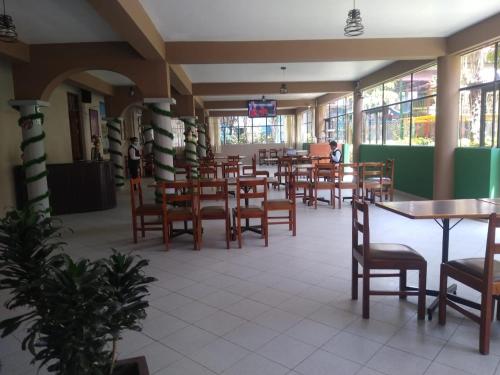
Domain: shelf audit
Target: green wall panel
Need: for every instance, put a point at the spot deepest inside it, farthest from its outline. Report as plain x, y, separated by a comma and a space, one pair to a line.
472, 172
414, 166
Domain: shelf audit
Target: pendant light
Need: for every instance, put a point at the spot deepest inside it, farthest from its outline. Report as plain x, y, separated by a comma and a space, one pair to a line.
353, 26
8, 31
283, 88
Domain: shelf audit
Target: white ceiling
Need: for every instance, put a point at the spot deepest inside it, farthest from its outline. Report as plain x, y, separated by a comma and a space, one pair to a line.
268, 96
115, 79
188, 20
58, 21
310, 71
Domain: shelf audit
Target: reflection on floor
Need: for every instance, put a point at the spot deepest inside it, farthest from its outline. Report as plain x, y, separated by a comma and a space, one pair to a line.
284, 309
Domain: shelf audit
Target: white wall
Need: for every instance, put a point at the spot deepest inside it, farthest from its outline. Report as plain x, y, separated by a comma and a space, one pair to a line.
249, 150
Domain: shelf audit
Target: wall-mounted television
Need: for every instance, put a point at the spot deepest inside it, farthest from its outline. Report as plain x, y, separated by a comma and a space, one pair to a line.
262, 108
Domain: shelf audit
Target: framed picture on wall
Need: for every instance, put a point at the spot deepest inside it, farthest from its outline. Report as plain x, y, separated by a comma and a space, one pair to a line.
94, 123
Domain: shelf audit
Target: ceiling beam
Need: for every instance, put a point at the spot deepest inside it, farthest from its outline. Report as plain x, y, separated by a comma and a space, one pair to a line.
478, 34
199, 102
242, 104
129, 20
281, 51
180, 80
89, 82
263, 88
17, 52
327, 98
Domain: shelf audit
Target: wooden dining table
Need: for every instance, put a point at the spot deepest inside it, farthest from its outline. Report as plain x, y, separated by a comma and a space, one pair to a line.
442, 211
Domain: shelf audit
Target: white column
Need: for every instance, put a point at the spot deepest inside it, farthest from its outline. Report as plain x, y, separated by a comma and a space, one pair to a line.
34, 157
357, 124
148, 136
202, 140
163, 138
191, 143
114, 125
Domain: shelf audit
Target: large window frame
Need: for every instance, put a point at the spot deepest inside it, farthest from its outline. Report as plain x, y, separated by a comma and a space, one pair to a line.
338, 122
485, 93
307, 126
377, 118
246, 130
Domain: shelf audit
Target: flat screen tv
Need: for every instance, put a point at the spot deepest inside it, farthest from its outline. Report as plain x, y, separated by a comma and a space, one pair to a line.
261, 108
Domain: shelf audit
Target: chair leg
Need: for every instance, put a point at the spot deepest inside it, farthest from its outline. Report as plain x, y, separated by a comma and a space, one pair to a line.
316, 199
266, 231
143, 231
134, 228
422, 285
443, 289
166, 230
485, 324
290, 223
228, 230
332, 197
294, 215
238, 226
340, 198
402, 283
366, 293
354, 279
498, 308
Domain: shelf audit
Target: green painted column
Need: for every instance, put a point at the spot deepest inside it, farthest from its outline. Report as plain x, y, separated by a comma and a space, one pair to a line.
33, 153
114, 125
191, 143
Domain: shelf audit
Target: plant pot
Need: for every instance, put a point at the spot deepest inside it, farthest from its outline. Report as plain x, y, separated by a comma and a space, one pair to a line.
131, 366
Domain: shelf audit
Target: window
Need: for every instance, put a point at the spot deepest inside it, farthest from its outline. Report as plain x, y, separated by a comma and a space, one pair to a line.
243, 130
479, 97
307, 128
338, 125
401, 111
178, 131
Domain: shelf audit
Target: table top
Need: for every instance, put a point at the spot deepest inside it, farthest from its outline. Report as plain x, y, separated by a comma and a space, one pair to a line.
222, 157
444, 209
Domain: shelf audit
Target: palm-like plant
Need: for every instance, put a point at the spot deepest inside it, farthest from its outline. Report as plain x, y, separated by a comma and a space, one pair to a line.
77, 311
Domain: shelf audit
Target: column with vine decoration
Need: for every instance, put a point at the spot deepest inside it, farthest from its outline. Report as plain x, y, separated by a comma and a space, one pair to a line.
114, 125
191, 144
33, 153
148, 136
202, 140
163, 148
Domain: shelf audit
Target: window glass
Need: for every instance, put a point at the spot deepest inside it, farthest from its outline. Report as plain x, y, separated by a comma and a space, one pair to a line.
372, 129
425, 82
478, 67
397, 124
372, 97
341, 106
424, 120
470, 117
397, 90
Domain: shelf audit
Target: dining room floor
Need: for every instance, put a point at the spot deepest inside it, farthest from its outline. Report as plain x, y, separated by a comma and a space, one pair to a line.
284, 309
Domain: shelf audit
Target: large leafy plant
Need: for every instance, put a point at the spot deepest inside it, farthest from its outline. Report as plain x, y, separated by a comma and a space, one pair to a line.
74, 313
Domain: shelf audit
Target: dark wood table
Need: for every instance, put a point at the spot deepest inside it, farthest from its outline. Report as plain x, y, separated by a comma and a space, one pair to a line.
441, 211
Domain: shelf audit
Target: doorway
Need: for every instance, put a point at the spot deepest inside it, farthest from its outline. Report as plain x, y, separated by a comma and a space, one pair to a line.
75, 126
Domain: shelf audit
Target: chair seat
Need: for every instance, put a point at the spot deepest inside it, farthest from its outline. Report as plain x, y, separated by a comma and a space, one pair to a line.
272, 180
475, 267
251, 210
179, 213
385, 180
149, 209
391, 251
262, 173
324, 185
277, 204
213, 211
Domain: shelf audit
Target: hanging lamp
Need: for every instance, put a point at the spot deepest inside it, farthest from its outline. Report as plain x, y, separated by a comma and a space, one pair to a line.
8, 31
284, 87
353, 26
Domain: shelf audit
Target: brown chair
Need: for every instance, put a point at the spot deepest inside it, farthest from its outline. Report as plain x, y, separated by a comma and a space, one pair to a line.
251, 170
303, 182
287, 204
370, 180
233, 158
347, 180
215, 190
273, 156
481, 274
208, 169
284, 166
141, 210
262, 156
324, 179
383, 256
246, 189
388, 179
180, 203
231, 171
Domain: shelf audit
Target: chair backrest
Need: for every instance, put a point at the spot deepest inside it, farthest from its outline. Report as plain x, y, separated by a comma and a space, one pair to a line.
348, 171
262, 152
291, 190
327, 170
361, 225
208, 169
254, 164
389, 169
233, 158
231, 169
181, 193
492, 248
248, 188
372, 170
273, 153
215, 190
135, 193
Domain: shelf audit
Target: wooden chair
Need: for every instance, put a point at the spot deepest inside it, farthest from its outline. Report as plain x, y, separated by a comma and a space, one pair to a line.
247, 189
383, 256
324, 179
208, 169
231, 171
287, 204
481, 274
388, 179
180, 202
273, 156
284, 167
215, 190
231, 158
262, 156
347, 180
141, 210
251, 170
370, 180
303, 182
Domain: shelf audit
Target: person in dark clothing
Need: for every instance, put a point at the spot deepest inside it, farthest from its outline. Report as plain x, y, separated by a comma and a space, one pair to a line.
134, 157
335, 153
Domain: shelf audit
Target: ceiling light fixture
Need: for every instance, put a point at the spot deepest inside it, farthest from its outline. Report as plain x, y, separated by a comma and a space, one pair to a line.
284, 87
8, 31
353, 26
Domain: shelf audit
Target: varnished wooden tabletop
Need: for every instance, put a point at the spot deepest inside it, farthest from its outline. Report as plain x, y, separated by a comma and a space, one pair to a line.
444, 209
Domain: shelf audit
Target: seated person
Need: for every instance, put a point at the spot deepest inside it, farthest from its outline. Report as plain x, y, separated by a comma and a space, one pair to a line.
335, 153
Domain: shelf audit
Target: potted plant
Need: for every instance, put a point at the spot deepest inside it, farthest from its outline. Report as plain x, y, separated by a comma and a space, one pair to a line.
74, 312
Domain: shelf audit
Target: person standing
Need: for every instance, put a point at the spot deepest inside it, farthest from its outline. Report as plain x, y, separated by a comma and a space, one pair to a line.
134, 157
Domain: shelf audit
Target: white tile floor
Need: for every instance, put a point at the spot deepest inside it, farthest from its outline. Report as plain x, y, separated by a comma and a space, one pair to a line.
284, 309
